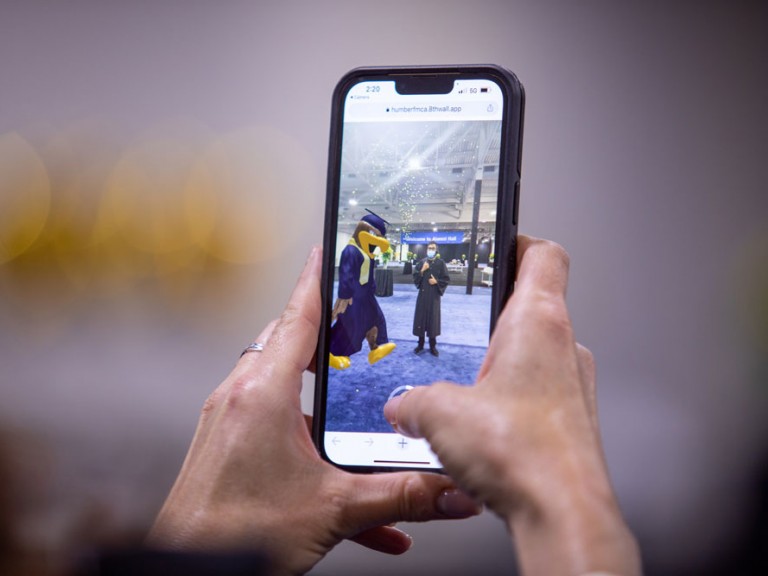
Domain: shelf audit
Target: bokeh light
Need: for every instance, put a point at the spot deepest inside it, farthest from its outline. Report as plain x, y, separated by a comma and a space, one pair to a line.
240, 182
25, 196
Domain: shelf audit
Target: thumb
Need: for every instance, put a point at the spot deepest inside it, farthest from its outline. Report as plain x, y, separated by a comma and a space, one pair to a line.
444, 416
423, 411
381, 500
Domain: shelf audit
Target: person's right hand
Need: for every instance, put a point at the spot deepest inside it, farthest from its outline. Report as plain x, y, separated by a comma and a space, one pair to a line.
524, 440
425, 267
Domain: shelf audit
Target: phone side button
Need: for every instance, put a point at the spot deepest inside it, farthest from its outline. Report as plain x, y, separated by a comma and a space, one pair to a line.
516, 202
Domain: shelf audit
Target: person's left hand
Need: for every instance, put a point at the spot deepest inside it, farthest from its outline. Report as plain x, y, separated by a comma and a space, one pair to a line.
432, 280
252, 478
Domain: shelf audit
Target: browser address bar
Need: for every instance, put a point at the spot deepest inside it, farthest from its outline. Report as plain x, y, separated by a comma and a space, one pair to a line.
422, 110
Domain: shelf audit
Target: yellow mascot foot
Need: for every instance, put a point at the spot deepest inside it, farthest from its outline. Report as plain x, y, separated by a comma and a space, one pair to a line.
339, 362
381, 352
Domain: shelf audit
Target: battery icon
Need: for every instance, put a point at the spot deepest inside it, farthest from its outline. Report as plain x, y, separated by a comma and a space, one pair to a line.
483, 90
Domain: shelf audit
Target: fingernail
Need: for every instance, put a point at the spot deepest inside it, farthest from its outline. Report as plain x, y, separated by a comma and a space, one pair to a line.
410, 539
390, 410
456, 504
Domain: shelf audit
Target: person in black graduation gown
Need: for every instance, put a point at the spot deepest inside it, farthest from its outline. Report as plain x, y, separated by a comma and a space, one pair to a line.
431, 278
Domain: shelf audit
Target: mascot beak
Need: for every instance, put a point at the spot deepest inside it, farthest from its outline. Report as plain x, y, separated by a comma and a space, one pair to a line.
369, 242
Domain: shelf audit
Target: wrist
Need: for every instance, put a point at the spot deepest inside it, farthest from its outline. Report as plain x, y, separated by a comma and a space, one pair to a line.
576, 528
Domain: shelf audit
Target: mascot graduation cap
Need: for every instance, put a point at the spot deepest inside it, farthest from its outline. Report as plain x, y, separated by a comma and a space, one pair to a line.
356, 314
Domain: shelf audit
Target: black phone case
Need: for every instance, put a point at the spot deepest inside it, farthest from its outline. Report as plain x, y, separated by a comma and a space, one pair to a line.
505, 265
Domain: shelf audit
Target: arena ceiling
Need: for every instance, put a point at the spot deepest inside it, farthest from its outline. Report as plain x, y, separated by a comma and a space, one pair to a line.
420, 175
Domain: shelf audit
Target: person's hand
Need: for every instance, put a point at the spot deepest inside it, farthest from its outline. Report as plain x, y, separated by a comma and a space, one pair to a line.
524, 440
339, 307
253, 479
432, 280
425, 267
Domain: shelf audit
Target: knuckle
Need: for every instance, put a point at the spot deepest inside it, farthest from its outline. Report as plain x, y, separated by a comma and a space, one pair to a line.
557, 252
417, 502
336, 505
431, 407
430, 395
210, 404
552, 314
338, 502
296, 315
238, 391
292, 321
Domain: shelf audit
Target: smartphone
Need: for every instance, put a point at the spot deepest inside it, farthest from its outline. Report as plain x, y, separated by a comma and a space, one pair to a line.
419, 247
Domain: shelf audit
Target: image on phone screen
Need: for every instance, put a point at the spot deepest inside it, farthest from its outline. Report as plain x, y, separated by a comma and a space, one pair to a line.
413, 258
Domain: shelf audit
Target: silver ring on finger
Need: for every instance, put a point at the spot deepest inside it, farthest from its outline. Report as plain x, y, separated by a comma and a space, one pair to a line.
255, 347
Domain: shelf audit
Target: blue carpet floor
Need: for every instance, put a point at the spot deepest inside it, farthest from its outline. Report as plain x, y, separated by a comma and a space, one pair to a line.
357, 395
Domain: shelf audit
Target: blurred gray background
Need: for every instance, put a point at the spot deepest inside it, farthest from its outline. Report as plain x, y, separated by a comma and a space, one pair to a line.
162, 170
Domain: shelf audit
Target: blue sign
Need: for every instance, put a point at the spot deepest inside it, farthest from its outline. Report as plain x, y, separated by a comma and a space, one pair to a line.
426, 236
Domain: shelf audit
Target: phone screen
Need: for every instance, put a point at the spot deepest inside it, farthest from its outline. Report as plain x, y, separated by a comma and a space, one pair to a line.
411, 254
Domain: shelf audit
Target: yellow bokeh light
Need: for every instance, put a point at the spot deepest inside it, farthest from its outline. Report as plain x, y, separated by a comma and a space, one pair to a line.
145, 196
245, 195
25, 196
